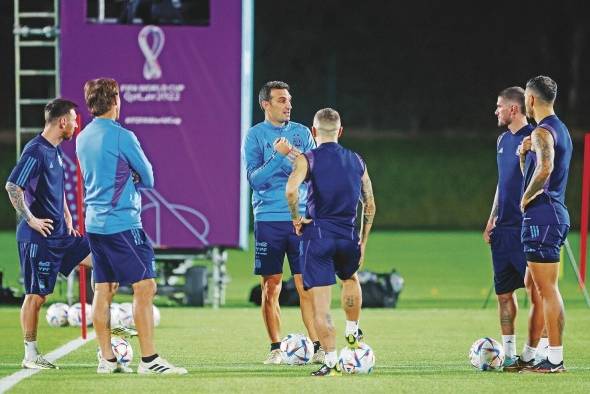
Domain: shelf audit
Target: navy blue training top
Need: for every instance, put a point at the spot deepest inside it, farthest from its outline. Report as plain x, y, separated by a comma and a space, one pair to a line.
510, 177
549, 207
40, 173
334, 191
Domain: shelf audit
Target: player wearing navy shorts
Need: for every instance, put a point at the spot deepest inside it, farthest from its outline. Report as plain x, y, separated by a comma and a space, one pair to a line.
114, 168
545, 160
48, 244
502, 230
337, 180
269, 150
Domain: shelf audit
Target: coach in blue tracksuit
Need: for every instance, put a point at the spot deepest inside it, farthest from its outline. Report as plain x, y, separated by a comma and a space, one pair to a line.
113, 168
269, 150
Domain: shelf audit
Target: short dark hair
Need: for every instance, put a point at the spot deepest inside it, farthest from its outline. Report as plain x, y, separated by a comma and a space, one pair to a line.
545, 87
264, 94
514, 94
100, 95
57, 108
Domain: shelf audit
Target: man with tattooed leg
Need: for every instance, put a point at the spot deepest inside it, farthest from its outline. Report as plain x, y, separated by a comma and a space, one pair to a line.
337, 179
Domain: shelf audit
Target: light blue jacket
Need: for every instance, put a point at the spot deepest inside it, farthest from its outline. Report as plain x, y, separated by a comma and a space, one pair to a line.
268, 170
108, 153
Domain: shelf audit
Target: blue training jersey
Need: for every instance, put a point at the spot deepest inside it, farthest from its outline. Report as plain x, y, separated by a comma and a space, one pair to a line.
510, 177
40, 173
108, 153
549, 207
334, 183
268, 171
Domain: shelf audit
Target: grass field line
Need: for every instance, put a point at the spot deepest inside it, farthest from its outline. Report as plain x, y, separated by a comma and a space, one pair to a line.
9, 381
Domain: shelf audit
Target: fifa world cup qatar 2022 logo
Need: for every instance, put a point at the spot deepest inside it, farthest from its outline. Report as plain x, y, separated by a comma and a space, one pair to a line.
151, 50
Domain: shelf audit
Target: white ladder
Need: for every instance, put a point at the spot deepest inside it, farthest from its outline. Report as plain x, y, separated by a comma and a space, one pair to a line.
28, 34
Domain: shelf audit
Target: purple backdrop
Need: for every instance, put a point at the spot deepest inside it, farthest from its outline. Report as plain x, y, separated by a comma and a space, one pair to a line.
181, 95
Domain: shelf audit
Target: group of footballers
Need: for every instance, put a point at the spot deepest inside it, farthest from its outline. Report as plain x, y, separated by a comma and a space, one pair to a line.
529, 222
305, 191
305, 197
305, 205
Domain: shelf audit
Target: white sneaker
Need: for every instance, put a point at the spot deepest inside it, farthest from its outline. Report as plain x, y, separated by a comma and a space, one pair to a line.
38, 363
274, 357
319, 356
160, 367
105, 366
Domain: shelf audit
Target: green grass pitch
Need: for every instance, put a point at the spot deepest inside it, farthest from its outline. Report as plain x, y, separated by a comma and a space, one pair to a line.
421, 346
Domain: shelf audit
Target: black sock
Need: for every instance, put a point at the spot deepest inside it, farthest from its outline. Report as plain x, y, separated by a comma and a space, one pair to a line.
275, 346
149, 359
316, 346
112, 360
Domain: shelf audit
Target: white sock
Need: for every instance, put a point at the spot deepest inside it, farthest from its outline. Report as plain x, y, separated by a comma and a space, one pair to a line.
331, 359
528, 353
509, 342
542, 348
555, 354
352, 327
31, 351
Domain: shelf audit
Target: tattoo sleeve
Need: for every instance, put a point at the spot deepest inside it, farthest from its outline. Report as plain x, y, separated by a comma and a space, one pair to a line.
542, 144
369, 207
17, 198
295, 180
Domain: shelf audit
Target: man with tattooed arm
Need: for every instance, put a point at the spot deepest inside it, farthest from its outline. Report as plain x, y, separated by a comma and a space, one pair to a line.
47, 240
337, 179
545, 159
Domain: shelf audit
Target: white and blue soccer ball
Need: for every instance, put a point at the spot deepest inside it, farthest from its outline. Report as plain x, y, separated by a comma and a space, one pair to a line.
75, 315
115, 312
156, 316
486, 354
357, 361
296, 349
126, 315
121, 349
57, 315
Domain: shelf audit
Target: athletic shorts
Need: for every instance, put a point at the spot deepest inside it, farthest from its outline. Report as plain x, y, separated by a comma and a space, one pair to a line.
508, 259
41, 261
273, 241
325, 258
542, 244
125, 258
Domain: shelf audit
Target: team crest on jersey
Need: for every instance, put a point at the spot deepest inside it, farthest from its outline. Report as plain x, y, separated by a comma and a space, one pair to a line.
297, 141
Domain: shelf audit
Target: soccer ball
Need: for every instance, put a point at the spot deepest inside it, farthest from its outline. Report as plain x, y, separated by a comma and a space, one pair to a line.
115, 311
486, 354
75, 315
360, 360
296, 349
122, 350
126, 314
57, 315
156, 316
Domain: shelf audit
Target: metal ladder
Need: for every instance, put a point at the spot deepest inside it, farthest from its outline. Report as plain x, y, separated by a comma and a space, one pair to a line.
27, 37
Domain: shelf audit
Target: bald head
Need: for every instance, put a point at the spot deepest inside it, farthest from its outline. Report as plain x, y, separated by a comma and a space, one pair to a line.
327, 122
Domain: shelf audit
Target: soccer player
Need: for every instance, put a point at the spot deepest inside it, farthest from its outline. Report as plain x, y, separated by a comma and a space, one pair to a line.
269, 150
545, 159
502, 231
336, 179
47, 240
114, 167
